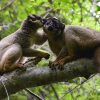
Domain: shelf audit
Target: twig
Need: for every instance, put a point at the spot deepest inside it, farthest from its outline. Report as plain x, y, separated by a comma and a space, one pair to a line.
4, 87
50, 1
56, 94
81, 10
47, 13
8, 5
77, 86
7, 26
35, 95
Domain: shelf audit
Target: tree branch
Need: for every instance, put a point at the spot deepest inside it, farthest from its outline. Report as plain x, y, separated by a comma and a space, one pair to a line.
38, 76
8, 5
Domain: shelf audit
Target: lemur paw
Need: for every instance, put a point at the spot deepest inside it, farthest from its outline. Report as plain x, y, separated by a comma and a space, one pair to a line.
56, 65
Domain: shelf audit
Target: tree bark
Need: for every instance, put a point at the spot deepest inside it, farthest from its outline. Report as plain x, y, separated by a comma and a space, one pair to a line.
38, 76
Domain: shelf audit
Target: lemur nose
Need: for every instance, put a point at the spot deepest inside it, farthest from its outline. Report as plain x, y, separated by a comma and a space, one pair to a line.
50, 28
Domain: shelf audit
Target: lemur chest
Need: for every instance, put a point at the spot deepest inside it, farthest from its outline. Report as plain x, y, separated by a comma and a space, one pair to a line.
56, 46
30, 41
26, 42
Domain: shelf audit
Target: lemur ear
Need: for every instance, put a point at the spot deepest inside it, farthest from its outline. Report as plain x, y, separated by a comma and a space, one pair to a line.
37, 16
62, 26
55, 18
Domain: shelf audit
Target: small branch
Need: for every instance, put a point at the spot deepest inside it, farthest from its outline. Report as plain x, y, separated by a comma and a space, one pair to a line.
8, 5
33, 94
5, 27
47, 13
81, 10
55, 92
76, 87
50, 1
38, 76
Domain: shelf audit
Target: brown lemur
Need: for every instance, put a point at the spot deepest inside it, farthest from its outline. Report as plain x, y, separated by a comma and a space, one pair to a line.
17, 45
71, 42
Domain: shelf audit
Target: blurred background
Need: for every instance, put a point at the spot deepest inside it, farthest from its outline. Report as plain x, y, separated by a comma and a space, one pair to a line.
85, 13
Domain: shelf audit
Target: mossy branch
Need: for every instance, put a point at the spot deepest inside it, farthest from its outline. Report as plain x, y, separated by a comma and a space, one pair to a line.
38, 76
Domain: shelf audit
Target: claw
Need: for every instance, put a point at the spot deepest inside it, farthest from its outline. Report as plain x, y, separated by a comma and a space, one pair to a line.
56, 65
21, 67
52, 66
61, 67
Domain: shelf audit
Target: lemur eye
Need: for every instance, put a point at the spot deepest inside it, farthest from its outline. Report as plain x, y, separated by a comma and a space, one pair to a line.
49, 23
33, 19
38, 17
55, 24
50, 28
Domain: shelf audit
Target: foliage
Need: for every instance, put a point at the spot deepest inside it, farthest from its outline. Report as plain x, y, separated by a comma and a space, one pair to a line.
77, 12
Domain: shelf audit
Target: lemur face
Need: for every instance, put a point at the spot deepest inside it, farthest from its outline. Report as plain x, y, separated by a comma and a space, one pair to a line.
35, 19
53, 26
33, 22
